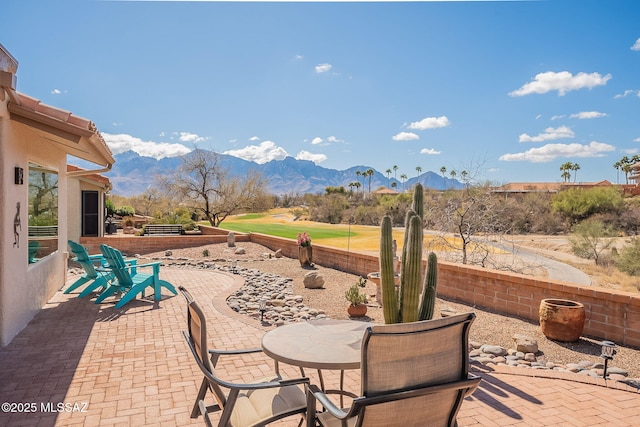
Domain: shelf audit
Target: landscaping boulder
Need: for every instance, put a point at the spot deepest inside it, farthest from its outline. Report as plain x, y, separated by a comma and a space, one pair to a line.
313, 280
525, 344
231, 239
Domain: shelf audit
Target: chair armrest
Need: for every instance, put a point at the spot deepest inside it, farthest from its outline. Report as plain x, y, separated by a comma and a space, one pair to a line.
315, 393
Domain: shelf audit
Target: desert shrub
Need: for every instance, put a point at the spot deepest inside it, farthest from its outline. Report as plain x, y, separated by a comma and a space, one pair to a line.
124, 211
591, 238
577, 204
628, 259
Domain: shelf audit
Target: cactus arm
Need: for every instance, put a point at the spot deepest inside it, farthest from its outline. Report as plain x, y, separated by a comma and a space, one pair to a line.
429, 293
389, 300
411, 285
418, 201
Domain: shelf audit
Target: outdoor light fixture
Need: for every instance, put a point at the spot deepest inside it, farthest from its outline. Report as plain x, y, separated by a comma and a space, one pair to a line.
608, 350
262, 306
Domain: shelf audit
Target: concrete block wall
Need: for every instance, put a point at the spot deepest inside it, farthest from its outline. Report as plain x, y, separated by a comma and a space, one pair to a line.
610, 315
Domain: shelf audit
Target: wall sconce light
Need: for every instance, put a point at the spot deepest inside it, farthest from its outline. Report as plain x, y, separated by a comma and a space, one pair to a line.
18, 175
608, 351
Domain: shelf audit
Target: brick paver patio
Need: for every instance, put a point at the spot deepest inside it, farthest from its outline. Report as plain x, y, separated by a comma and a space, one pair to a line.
131, 367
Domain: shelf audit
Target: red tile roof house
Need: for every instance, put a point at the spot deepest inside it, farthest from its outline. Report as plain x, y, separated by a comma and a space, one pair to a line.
35, 140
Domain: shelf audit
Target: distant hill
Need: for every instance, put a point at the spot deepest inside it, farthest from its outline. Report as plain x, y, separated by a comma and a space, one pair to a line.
133, 174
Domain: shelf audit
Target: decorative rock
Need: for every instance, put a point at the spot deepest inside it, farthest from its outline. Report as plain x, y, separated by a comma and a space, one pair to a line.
278, 253
525, 344
168, 253
313, 280
496, 350
231, 239
240, 251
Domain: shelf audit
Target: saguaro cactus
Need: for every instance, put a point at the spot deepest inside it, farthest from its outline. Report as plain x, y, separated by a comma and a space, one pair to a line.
404, 306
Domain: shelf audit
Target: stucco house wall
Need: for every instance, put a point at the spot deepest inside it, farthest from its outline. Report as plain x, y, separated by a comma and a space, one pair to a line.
32, 132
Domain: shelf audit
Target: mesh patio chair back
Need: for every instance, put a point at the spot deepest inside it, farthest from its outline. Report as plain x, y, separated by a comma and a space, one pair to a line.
243, 405
413, 375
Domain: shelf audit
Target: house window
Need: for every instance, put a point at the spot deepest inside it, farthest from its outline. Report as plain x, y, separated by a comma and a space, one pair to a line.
43, 212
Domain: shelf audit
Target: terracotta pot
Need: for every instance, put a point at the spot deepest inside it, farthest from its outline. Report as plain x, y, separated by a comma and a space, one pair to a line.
358, 310
561, 319
305, 255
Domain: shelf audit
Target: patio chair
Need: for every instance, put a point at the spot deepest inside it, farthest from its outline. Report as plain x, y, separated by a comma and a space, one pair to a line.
128, 280
89, 264
242, 405
413, 374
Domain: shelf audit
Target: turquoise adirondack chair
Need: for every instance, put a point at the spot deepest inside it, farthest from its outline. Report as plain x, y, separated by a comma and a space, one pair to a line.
89, 264
131, 283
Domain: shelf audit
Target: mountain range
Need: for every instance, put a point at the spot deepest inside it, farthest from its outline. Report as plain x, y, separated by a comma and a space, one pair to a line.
132, 174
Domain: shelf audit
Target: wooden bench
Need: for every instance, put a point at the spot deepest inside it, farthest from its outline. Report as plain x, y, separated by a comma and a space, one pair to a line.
162, 229
43, 230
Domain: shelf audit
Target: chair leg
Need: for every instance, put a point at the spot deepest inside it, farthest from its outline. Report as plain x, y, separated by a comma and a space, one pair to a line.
169, 286
131, 294
81, 281
201, 394
99, 282
107, 293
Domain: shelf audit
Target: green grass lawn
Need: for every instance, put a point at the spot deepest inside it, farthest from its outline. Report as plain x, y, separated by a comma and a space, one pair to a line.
320, 232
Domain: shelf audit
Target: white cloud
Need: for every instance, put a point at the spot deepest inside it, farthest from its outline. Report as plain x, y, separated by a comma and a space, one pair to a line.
190, 137
430, 123
636, 45
548, 134
563, 82
254, 138
323, 68
636, 140
315, 158
334, 139
558, 117
626, 93
317, 140
405, 136
429, 151
263, 153
119, 143
298, 58
630, 151
550, 152
587, 115
56, 91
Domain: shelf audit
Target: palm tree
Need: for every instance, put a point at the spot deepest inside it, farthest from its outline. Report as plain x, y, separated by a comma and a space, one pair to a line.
395, 172
453, 174
418, 169
617, 165
388, 172
465, 178
575, 168
394, 184
369, 173
403, 177
443, 170
565, 168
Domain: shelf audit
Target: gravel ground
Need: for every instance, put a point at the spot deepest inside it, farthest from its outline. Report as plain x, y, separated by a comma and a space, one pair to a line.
488, 328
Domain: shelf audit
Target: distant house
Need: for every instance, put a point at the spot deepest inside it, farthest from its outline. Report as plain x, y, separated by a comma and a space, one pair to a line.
384, 191
635, 173
546, 187
35, 194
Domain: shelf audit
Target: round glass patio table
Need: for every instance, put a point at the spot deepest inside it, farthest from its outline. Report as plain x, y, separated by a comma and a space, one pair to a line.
318, 344
326, 344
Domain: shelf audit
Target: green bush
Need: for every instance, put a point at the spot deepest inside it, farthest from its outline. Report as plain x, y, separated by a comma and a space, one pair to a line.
628, 260
124, 211
577, 204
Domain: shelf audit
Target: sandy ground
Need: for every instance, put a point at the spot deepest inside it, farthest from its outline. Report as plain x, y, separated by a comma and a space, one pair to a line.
489, 327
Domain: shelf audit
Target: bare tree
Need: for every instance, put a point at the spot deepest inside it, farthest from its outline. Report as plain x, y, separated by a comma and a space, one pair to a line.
202, 184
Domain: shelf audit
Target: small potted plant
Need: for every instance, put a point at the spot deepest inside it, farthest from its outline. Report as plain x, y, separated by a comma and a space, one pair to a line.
357, 301
305, 254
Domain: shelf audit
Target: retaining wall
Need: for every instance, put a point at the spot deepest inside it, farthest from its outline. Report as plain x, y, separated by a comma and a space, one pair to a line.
610, 315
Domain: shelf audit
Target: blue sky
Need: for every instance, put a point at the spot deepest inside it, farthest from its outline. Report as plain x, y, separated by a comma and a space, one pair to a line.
507, 91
